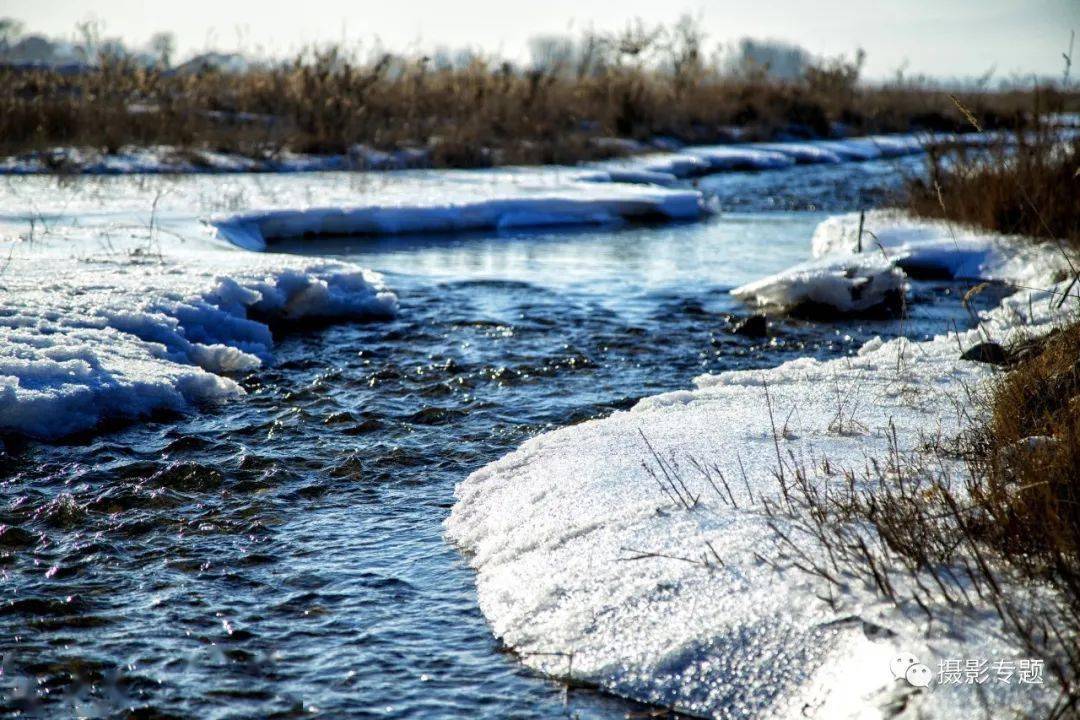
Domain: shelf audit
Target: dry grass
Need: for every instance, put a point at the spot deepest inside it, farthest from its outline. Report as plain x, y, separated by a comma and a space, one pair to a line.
637, 85
1015, 518
1027, 186
1025, 456
939, 548
1028, 459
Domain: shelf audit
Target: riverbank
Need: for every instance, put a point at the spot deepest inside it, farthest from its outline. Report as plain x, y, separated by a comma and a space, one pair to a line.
802, 530
653, 541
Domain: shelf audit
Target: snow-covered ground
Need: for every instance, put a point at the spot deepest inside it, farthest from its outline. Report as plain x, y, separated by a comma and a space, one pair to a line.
574, 203
587, 567
247, 210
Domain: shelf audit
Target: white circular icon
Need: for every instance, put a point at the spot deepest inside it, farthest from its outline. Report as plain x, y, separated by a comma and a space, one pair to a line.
918, 675
899, 665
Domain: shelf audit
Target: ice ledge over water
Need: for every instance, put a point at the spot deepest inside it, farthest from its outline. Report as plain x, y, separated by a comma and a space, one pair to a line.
849, 285
841, 280
574, 203
86, 340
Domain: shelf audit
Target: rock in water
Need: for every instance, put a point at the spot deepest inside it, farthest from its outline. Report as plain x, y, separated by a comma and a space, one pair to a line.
987, 352
753, 326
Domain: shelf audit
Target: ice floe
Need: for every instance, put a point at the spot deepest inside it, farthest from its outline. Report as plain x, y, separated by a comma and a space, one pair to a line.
928, 248
844, 280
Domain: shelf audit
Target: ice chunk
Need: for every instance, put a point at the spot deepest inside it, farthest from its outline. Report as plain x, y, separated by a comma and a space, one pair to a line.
740, 157
852, 284
802, 152
629, 175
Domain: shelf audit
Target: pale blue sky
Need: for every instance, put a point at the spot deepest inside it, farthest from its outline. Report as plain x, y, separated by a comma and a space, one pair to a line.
945, 38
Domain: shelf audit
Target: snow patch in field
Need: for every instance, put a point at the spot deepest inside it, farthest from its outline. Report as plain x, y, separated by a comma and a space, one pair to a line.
84, 340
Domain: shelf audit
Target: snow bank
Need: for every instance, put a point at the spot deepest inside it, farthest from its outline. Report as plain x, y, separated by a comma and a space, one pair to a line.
577, 203
630, 175
842, 281
929, 248
704, 160
802, 152
558, 529
87, 340
848, 285
585, 566
164, 159
741, 157
676, 164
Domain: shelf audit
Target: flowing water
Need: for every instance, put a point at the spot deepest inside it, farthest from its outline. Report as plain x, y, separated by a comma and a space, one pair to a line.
282, 555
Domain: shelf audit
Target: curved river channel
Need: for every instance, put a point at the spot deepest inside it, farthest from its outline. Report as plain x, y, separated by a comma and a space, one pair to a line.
283, 555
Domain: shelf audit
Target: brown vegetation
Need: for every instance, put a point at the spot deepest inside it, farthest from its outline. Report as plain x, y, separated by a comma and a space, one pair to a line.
1029, 184
640, 84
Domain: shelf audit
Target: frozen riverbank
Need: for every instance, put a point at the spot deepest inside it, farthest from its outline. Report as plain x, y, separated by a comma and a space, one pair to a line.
94, 338
590, 563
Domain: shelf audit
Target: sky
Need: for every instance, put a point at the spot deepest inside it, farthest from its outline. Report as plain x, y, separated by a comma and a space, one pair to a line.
940, 38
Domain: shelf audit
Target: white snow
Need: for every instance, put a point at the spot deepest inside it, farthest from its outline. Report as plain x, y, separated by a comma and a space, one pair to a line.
844, 284
923, 247
88, 338
164, 159
741, 157
569, 533
245, 210
802, 152
118, 297
579, 204
677, 164
895, 246
630, 175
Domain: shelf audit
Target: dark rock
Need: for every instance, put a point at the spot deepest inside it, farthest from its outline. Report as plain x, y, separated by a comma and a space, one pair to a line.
987, 352
753, 326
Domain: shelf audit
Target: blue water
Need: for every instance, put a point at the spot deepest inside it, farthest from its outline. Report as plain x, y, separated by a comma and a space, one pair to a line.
283, 556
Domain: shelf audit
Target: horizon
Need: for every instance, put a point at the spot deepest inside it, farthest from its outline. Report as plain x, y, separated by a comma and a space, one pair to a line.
1002, 38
